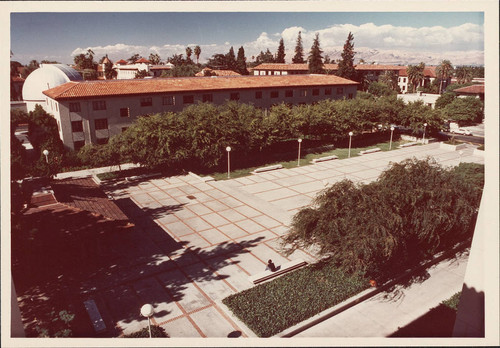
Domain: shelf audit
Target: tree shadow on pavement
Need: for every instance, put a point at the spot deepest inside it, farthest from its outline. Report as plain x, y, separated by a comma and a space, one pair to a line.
63, 256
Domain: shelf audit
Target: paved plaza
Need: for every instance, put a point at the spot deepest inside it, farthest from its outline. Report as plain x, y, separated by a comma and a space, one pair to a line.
204, 239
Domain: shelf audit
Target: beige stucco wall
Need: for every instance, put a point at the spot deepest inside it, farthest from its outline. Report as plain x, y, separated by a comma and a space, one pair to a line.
116, 122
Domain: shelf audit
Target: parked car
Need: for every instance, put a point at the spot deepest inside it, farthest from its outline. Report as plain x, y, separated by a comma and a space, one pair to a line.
461, 131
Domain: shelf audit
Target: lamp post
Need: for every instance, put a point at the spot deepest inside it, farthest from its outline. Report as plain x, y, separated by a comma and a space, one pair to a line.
147, 311
390, 142
228, 149
350, 138
298, 158
423, 138
46, 153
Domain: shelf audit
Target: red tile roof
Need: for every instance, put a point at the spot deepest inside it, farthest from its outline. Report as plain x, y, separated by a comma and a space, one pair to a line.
474, 89
121, 61
142, 60
89, 89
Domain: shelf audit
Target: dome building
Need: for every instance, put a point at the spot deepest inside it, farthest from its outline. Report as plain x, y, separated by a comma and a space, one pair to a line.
46, 77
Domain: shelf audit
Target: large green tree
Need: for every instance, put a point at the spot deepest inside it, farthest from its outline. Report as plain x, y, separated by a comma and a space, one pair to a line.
189, 52
415, 75
346, 64
315, 58
241, 64
414, 210
280, 54
231, 59
197, 52
464, 74
444, 71
298, 58
154, 58
465, 111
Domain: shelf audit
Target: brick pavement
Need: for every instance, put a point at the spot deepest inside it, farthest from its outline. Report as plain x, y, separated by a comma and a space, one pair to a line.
210, 237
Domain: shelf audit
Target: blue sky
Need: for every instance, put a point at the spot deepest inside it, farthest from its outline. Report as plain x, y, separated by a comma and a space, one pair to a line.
431, 36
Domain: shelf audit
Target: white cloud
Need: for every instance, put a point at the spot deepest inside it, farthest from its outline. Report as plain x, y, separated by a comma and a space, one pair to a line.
382, 43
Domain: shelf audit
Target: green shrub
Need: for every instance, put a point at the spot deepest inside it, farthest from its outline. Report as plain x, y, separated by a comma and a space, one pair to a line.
156, 331
453, 301
272, 307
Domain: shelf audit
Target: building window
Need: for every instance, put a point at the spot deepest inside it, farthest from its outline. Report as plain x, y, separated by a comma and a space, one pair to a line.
340, 90
101, 123
328, 91
208, 98
188, 99
350, 95
258, 95
146, 101
124, 112
76, 126
289, 93
404, 79
102, 141
99, 105
234, 96
78, 144
275, 94
74, 107
403, 88
316, 91
169, 100
303, 92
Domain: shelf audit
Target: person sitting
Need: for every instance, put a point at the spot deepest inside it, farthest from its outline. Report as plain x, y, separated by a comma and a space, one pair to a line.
271, 266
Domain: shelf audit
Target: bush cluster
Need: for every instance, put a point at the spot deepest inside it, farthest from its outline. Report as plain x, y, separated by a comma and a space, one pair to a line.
415, 209
272, 307
156, 331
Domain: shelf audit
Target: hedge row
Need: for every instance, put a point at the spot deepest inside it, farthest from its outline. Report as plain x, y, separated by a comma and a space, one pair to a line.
272, 307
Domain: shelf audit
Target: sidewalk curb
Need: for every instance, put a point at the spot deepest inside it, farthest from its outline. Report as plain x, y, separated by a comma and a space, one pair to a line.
364, 295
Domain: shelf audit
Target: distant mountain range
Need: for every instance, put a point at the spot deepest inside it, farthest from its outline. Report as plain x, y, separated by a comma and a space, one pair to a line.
395, 57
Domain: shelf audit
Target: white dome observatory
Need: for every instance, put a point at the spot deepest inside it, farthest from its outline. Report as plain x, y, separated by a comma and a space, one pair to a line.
46, 77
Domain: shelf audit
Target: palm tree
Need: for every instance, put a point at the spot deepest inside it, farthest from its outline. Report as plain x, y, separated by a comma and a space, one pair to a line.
463, 74
444, 71
197, 52
415, 74
390, 79
189, 52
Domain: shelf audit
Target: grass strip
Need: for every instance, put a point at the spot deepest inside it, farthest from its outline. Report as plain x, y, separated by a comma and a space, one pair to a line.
274, 306
341, 153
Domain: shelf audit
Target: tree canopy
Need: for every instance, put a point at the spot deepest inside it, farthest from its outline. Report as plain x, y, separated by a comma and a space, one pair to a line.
315, 58
298, 58
415, 209
346, 64
280, 54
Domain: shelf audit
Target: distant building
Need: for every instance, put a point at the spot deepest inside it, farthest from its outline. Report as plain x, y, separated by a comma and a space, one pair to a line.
369, 72
93, 111
427, 99
46, 77
212, 72
126, 71
429, 77
471, 91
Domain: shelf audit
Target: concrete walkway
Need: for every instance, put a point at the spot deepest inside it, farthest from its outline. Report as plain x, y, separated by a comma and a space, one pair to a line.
199, 242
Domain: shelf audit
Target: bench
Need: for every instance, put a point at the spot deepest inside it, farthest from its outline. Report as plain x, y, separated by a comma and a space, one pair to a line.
326, 158
365, 152
141, 177
282, 269
408, 144
95, 316
266, 169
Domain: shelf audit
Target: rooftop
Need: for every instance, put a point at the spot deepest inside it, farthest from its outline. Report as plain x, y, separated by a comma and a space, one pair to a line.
304, 67
89, 89
474, 89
